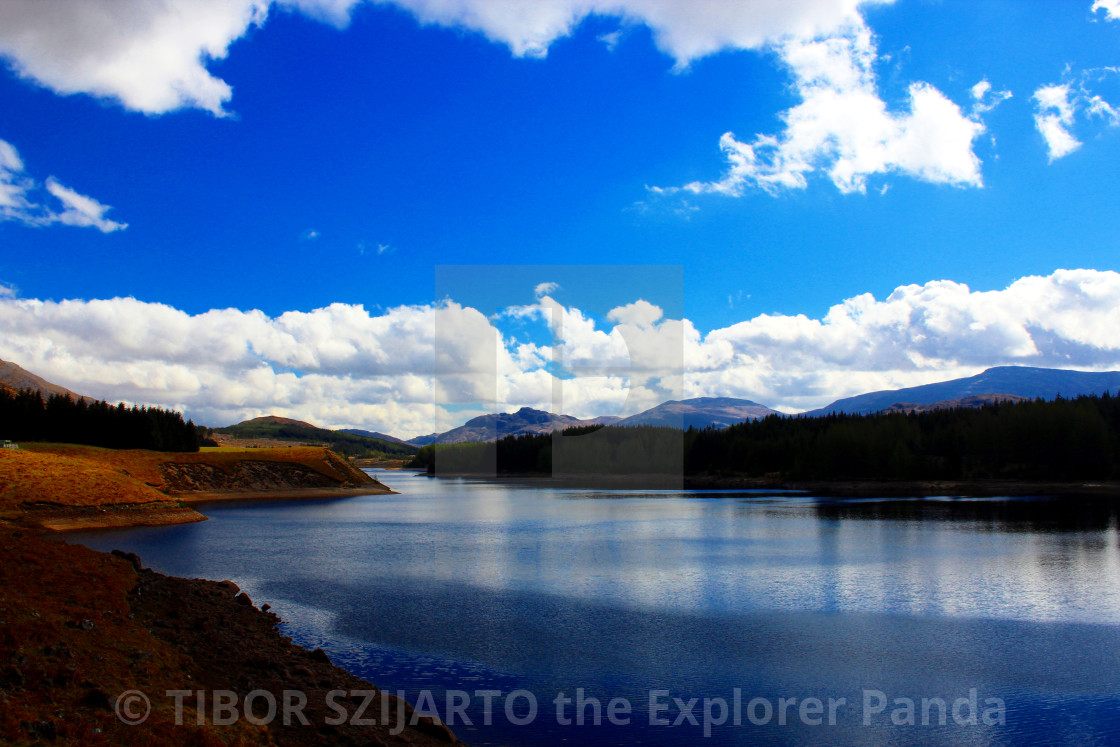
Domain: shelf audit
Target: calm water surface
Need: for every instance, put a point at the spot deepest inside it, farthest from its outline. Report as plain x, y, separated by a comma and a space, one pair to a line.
741, 599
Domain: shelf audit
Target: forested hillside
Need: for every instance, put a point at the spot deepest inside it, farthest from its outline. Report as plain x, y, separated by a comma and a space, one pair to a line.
297, 431
26, 416
1063, 439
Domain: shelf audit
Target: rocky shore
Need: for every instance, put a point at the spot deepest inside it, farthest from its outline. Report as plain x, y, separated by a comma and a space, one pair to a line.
89, 641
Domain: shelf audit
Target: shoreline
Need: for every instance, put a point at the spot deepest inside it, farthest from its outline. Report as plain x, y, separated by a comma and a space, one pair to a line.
176, 510
217, 496
814, 488
906, 488
121, 629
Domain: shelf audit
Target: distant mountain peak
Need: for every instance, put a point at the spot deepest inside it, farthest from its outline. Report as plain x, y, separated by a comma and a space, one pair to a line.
700, 412
495, 425
1021, 381
15, 378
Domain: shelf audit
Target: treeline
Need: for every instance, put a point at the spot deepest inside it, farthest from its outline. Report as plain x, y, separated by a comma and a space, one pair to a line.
1063, 439
26, 416
583, 450
341, 442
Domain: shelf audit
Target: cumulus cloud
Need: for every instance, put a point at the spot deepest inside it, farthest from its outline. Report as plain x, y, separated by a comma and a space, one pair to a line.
149, 56
1111, 8
684, 31
918, 334
843, 127
341, 366
641, 313
152, 57
337, 365
21, 199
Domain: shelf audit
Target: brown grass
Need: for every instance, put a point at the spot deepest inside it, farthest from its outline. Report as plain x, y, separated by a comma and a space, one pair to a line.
66, 479
67, 486
143, 466
68, 647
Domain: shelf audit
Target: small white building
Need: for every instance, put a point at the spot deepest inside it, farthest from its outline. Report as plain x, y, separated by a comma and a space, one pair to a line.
6, 444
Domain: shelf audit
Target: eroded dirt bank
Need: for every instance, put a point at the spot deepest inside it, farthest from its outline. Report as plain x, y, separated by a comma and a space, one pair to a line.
79, 628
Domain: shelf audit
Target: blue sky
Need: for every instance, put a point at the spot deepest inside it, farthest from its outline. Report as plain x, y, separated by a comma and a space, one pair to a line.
279, 158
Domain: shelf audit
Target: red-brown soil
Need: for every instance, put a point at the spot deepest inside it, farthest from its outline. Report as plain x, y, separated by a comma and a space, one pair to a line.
78, 628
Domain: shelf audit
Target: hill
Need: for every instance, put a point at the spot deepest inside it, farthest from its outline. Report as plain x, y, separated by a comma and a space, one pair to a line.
493, 426
68, 486
373, 434
700, 412
1022, 381
14, 378
278, 431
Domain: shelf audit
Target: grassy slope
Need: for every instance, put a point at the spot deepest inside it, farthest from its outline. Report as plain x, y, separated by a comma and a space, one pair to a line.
88, 477
68, 479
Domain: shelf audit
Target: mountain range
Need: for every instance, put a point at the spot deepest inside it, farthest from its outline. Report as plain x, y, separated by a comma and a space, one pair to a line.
998, 384
700, 412
493, 426
1022, 381
1001, 383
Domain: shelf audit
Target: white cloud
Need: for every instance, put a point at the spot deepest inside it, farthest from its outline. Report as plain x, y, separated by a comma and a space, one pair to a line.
1111, 8
918, 334
843, 127
545, 289
152, 57
980, 90
610, 40
1058, 106
79, 210
21, 199
1053, 119
149, 56
985, 99
641, 313
684, 31
341, 366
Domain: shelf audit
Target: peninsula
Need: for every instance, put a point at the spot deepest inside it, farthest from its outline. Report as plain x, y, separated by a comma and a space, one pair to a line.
69, 487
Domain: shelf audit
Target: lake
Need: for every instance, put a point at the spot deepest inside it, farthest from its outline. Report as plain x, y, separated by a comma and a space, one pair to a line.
696, 617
